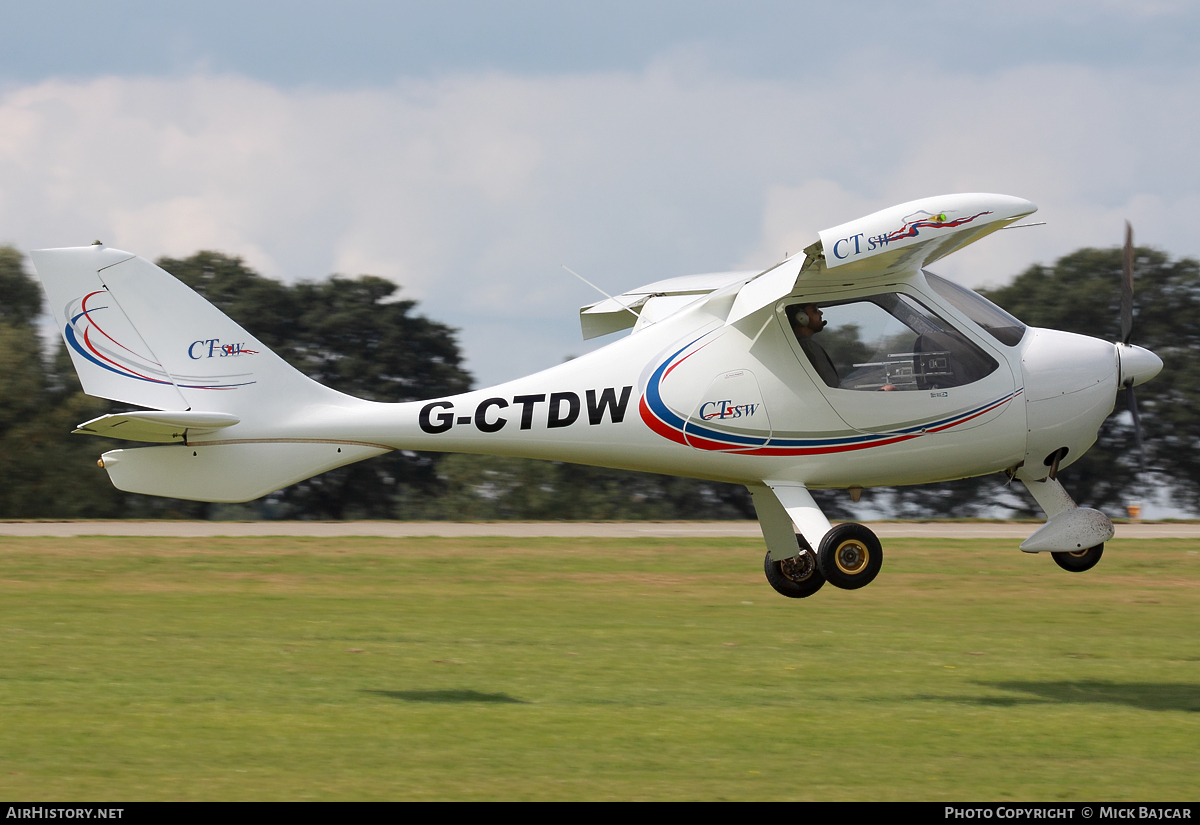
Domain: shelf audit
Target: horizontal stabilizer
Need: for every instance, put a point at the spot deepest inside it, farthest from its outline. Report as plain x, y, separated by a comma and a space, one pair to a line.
158, 427
227, 472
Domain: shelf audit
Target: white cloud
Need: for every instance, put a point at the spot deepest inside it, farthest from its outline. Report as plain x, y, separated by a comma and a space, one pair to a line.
470, 190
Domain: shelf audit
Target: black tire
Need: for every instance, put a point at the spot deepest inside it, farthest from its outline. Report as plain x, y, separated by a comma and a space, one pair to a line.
850, 556
796, 578
1080, 560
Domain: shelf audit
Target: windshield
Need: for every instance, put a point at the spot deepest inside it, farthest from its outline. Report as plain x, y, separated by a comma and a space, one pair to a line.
999, 324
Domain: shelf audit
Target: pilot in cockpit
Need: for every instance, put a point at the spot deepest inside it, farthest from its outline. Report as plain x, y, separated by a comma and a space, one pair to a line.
807, 322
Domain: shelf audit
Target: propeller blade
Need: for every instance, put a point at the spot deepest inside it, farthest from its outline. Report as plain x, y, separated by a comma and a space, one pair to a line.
1137, 425
1127, 286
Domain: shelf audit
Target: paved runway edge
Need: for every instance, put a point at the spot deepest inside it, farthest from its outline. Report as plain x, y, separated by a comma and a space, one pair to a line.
549, 529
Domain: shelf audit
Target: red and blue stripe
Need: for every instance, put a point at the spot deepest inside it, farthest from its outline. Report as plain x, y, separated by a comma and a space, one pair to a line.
670, 425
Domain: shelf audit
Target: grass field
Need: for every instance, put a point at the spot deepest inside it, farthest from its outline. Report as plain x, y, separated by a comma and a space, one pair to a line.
601, 669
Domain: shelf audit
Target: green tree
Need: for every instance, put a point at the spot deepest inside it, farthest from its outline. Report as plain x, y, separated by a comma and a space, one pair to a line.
1081, 293
348, 333
22, 303
44, 473
353, 335
496, 487
22, 377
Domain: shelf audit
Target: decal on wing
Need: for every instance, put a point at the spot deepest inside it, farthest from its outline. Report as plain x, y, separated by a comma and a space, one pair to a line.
938, 226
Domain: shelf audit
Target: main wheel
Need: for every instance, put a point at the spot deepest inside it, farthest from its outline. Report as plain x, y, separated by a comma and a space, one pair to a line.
797, 577
850, 556
1079, 560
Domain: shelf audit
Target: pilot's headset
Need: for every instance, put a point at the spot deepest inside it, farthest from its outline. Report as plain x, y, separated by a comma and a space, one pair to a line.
801, 317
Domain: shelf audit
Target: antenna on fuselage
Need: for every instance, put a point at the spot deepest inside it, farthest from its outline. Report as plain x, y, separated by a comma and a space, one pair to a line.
601, 291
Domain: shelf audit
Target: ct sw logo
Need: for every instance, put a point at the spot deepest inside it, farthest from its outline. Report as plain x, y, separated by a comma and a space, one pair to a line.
213, 348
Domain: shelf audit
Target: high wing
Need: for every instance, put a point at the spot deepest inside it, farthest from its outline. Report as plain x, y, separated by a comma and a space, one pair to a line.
896, 241
878, 247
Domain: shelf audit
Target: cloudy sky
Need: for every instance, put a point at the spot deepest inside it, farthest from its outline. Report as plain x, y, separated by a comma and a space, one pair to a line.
466, 150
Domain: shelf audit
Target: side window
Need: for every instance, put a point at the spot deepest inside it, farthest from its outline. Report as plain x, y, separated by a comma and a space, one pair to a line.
886, 342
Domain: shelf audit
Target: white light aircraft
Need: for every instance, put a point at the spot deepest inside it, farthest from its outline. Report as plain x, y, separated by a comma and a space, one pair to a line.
847, 366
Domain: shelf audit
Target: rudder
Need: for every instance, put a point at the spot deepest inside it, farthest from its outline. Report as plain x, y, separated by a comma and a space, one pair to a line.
137, 334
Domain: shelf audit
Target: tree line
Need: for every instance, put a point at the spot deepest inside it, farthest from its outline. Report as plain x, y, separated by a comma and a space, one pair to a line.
351, 334
357, 336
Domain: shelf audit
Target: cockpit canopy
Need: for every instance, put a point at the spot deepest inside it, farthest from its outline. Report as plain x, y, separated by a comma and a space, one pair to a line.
995, 321
890, 341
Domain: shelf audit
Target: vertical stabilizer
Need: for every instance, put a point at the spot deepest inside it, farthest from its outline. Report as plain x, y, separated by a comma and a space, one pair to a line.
113, 361
138, 334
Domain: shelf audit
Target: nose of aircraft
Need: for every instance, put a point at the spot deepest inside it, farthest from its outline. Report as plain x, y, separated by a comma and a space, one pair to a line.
1070, 387
1136, 364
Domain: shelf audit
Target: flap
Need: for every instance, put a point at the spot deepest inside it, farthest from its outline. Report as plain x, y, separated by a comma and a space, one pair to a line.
610, 315
766, 289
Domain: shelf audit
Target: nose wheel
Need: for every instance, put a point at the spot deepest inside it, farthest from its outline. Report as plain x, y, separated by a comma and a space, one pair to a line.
797, 577
850, 556
1079, 560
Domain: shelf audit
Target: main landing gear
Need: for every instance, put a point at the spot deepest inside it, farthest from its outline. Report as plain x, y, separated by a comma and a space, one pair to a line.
850, 557
797, 577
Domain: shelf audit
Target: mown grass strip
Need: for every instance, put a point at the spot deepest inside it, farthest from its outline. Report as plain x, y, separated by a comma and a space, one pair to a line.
544, 668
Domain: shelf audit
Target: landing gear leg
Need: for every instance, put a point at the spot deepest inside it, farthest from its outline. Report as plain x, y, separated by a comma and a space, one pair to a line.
1079, 560
797, 577
1074, 535
850, 556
